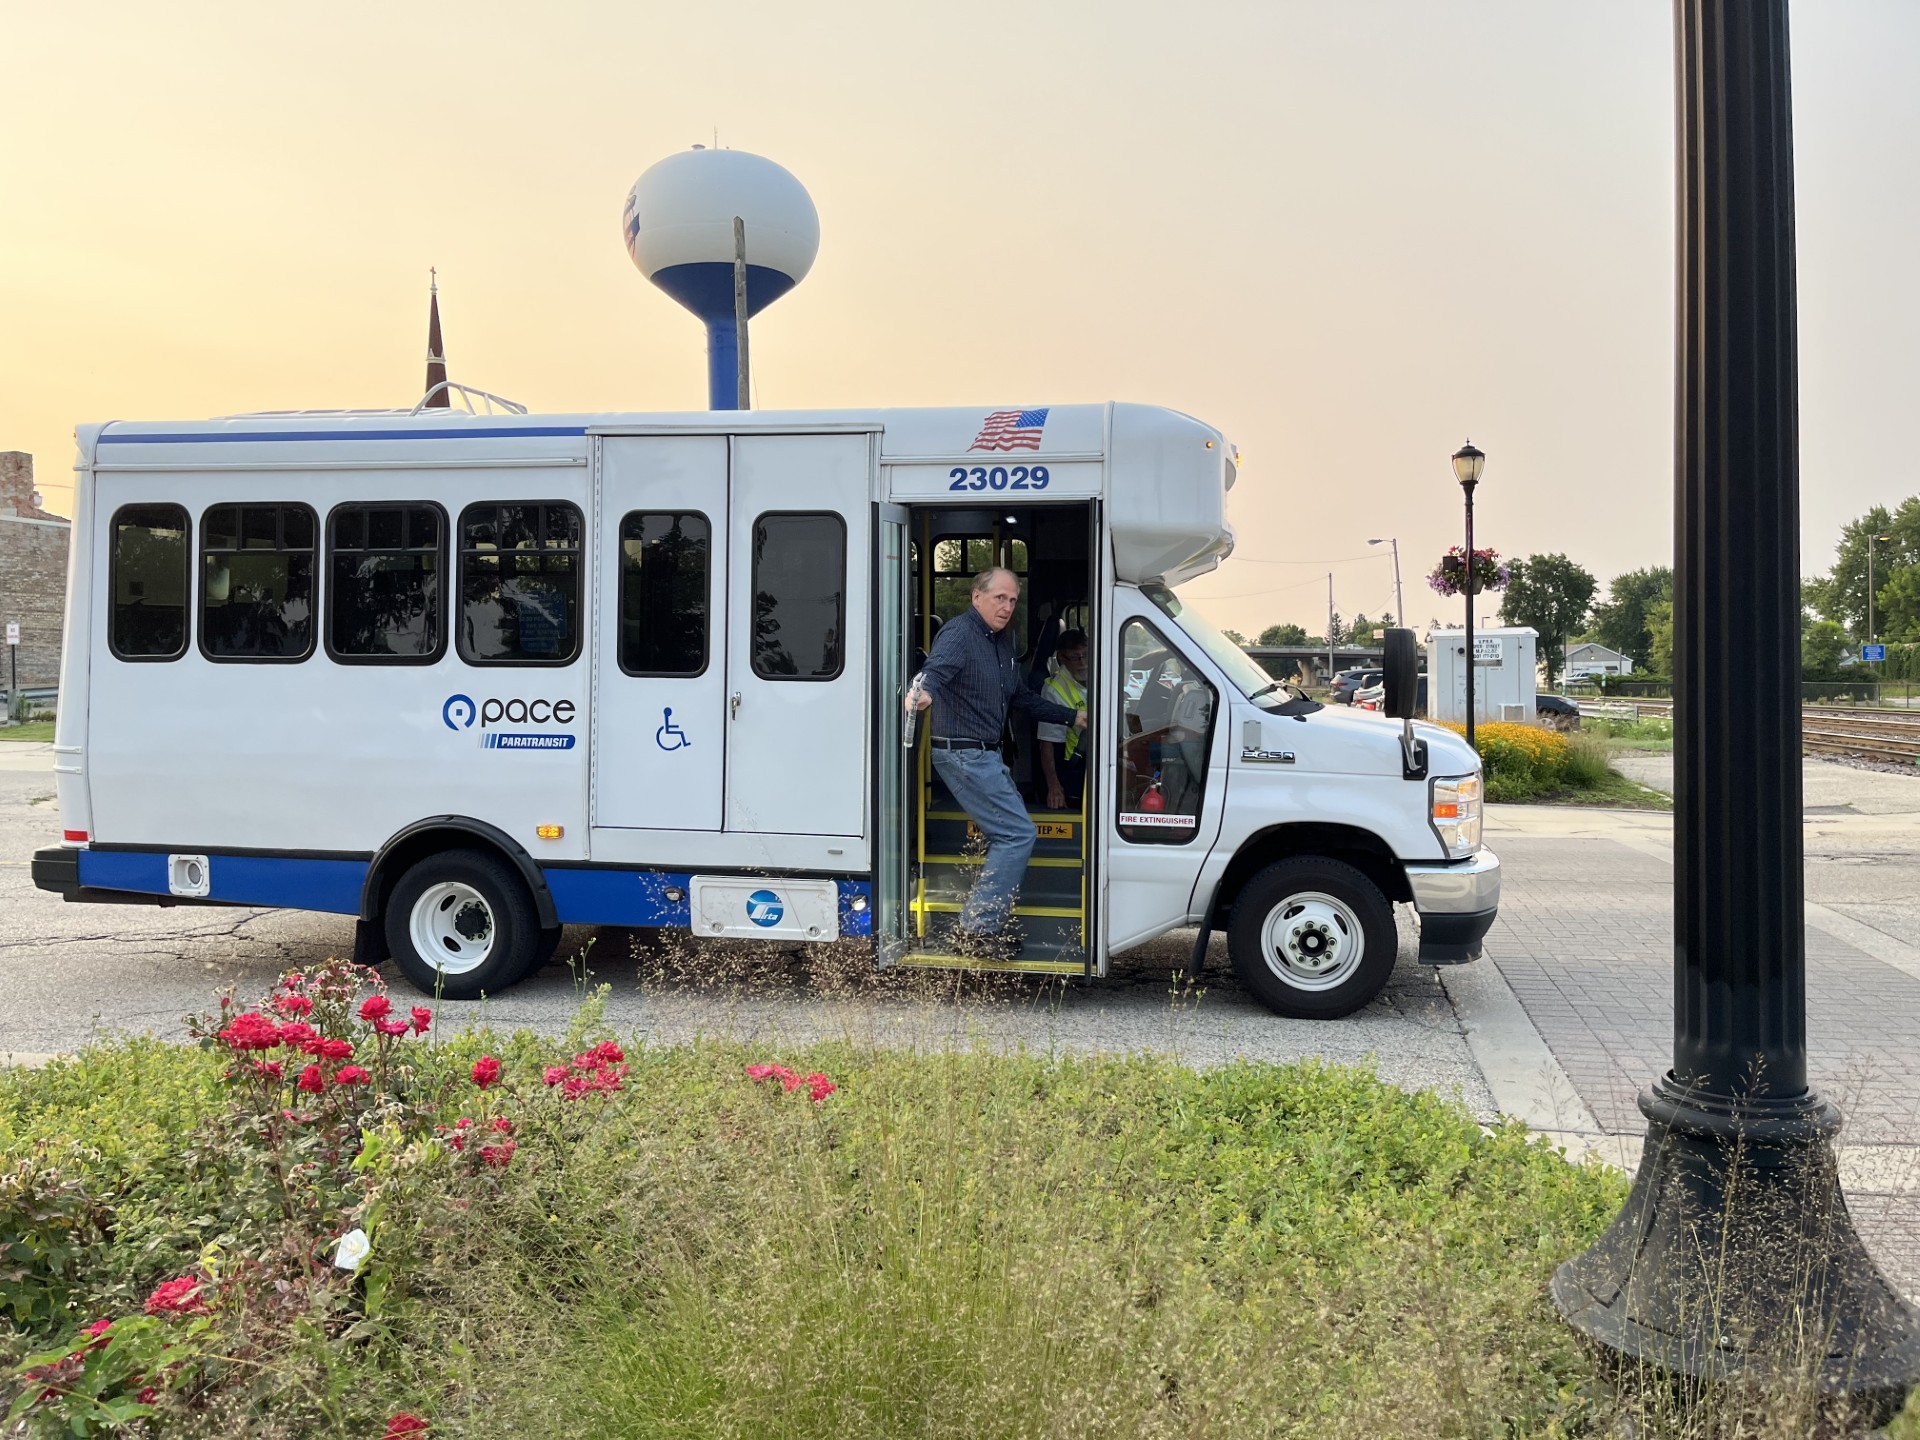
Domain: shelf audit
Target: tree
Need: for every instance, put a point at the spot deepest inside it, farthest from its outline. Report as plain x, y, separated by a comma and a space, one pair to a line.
1336, 629
1660, 627
1550, 593
1620, 621
1236, 637
1823, 644
1283, 635
1841, 595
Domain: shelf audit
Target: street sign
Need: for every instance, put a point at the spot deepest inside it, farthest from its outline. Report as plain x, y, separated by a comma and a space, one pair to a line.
13, 633
1867, 652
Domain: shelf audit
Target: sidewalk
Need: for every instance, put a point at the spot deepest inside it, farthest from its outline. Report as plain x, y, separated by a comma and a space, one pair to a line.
1574, 1017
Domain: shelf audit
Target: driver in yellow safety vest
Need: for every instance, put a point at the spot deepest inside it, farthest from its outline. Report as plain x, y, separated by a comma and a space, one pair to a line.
1063, 749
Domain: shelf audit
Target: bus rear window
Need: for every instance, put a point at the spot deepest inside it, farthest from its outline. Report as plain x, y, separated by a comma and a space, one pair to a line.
799, 596
149, 578
663, 593
385, 575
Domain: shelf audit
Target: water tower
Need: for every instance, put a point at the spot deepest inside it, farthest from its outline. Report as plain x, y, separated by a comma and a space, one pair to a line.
680, 226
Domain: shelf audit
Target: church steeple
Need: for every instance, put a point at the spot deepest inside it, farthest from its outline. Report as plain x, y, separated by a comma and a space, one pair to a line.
436, 352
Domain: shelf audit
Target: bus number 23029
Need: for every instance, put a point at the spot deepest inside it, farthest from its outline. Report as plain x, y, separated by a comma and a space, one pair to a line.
1000, 477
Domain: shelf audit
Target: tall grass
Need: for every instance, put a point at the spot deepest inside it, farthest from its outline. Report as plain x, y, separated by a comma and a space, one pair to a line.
977, 1245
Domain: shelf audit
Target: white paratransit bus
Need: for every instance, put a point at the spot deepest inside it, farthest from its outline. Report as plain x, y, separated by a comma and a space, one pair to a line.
470, 678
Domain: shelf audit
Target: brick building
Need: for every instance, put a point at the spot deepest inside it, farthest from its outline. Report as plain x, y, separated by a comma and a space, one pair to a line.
33, 573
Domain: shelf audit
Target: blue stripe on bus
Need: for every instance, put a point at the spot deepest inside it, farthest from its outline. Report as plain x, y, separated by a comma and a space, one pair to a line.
332, 886
619, 897
235, 437
580, 897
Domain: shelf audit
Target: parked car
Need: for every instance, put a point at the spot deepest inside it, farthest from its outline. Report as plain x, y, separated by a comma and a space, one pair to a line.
1374, 697
1349, 681
1556, 712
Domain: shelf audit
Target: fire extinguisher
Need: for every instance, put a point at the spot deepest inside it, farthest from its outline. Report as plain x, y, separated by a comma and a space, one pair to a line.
1153, 802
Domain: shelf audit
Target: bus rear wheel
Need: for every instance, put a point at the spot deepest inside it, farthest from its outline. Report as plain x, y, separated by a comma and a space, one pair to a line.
1312, 938
462, 924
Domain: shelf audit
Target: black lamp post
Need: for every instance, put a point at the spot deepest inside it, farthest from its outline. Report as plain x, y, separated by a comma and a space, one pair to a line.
1467, 465
1734, 1251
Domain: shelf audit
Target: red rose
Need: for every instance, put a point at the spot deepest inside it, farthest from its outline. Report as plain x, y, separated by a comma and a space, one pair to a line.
251, 1031
391, 1027
605, 1053
403, 1425
819, 1087
422, 1018
499, 1155
147, 1396
351, 1075
486, 1070
553, 1074
180, 1296
329, 1049
312, 1080
292, 1004
269, 1068
503, 1125
375, 1007
295, 1032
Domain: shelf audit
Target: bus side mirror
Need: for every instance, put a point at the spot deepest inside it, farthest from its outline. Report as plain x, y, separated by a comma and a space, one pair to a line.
1400, 674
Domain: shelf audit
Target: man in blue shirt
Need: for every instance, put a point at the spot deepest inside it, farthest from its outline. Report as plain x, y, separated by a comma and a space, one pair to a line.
973, 675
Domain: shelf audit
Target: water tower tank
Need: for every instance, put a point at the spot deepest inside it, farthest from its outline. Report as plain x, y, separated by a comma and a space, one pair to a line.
679, 230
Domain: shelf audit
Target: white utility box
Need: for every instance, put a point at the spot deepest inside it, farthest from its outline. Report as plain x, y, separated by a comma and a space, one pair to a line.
1504, 683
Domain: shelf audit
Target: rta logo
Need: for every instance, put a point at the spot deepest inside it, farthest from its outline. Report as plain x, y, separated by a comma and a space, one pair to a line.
460, 712
764, 908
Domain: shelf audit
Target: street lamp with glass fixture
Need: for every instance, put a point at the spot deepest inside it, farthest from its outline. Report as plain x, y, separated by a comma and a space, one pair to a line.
1399, 600
1870, 540
1467, 465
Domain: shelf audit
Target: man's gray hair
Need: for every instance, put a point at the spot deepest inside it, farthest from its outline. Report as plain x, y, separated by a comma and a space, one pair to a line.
983, 582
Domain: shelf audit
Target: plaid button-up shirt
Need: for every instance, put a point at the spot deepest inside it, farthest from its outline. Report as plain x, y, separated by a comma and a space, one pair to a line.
973, 676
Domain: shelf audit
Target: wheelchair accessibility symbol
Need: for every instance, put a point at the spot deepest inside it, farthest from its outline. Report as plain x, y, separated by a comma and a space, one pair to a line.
670, 736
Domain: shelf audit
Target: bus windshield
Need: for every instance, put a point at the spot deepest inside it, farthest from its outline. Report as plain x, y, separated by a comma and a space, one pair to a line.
1253, 682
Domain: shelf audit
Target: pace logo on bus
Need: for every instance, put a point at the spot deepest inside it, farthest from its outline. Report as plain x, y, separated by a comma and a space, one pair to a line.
463, 712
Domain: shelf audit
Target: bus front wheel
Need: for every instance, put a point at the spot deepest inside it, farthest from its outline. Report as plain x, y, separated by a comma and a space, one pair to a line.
461, 924
1312, 938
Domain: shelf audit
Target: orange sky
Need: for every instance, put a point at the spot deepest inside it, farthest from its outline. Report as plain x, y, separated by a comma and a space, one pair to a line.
1350, 234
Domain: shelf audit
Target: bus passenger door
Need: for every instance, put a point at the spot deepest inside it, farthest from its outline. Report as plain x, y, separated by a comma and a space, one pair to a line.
799, 649
1162, 812
894, 762
659, 717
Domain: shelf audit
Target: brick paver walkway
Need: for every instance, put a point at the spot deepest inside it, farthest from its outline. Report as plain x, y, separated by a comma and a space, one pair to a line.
1585, 939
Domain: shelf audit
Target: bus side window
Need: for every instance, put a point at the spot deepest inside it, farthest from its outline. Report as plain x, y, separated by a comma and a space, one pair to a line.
386, 571
149, 578
1166, 728
799, 595
256, 591
519, 584
663, 593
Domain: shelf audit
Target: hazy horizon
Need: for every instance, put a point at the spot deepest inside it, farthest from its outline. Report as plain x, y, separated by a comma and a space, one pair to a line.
1351, 237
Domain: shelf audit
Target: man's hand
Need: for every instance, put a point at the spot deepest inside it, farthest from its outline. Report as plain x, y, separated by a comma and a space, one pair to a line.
1056, 797
1079, 719
918, 700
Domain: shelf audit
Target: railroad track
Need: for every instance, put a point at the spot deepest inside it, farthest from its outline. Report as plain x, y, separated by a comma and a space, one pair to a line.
1839, 730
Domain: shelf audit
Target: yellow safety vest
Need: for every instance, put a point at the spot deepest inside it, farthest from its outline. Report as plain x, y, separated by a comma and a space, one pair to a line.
1062, 688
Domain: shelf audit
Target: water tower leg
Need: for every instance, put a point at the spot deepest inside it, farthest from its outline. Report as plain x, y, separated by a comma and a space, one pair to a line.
723, 363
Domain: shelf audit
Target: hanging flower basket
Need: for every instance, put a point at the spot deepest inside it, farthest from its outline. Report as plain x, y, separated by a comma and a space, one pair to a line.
1449, 577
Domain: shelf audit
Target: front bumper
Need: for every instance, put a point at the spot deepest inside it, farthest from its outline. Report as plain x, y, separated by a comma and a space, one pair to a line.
1457, 905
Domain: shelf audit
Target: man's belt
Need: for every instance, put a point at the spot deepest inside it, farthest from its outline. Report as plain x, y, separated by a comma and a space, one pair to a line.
941, 742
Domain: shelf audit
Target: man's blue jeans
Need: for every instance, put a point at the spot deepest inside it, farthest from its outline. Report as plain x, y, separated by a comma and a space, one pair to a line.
980, 782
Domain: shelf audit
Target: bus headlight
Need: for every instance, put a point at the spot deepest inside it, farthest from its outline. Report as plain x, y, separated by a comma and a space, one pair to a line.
1456, 812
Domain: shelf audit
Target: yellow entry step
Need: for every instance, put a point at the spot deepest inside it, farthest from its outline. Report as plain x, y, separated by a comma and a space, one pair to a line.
943, 960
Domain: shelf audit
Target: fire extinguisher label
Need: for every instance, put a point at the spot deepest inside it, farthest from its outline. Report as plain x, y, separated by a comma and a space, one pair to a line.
1159, 819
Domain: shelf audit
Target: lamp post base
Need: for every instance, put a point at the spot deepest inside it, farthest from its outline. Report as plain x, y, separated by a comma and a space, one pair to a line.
1735, 1256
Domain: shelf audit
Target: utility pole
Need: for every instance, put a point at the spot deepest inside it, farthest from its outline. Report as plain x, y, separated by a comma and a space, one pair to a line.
1399, 600
1330, 670
740, 399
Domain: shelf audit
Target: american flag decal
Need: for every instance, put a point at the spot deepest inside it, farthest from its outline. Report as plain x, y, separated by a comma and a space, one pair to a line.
1011, 430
